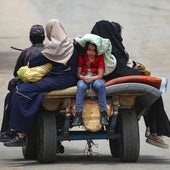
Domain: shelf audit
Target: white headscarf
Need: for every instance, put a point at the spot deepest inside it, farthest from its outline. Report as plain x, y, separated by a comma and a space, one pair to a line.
60, 47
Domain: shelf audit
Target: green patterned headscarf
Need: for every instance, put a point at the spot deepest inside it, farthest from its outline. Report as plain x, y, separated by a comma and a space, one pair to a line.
104, 48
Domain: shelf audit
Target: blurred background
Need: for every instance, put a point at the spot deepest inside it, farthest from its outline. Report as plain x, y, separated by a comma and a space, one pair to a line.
146, 33
146, 24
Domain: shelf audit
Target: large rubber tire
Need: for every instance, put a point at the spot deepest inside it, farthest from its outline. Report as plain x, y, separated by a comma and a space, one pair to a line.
130, 142
30, 150
114, 147
46, 137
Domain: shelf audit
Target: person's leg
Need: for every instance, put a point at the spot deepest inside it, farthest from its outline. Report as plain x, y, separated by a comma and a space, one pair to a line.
99, 87
6, 134
159, 121
81, 88
146, 121
159, 124
163, 123
6, 115
27, 98
26, 103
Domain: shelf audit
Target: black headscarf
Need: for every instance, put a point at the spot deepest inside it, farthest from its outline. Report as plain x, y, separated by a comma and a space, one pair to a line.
111, 30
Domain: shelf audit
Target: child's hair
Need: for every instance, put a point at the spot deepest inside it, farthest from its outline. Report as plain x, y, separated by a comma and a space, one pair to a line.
86, 47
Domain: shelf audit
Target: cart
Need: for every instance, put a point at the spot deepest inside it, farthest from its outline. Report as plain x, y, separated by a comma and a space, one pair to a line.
127, 101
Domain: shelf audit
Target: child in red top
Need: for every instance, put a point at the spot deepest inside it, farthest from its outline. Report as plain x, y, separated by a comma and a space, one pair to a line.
90, 72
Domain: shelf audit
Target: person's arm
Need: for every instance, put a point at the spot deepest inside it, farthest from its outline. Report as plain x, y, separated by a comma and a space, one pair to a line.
79, 69
100, 69
38, 60
99, 75
89, 79
19, 62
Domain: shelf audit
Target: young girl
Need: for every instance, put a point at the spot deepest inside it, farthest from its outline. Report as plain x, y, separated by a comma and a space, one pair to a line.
90, 72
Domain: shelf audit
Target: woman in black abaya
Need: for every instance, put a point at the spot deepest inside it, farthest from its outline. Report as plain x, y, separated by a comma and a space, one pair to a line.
157, 119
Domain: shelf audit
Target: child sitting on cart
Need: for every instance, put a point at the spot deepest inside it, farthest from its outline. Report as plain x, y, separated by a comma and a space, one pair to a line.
90, 73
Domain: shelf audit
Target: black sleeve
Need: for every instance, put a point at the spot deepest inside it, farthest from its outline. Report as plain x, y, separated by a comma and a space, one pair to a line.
20, 62
38, 60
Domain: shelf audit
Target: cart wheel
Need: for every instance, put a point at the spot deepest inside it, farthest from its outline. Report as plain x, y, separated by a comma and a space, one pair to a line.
129, 143
115, 143
114, 147
46, 137
30, 150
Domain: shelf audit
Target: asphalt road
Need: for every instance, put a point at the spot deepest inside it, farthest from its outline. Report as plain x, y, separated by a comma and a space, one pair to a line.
146, 37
